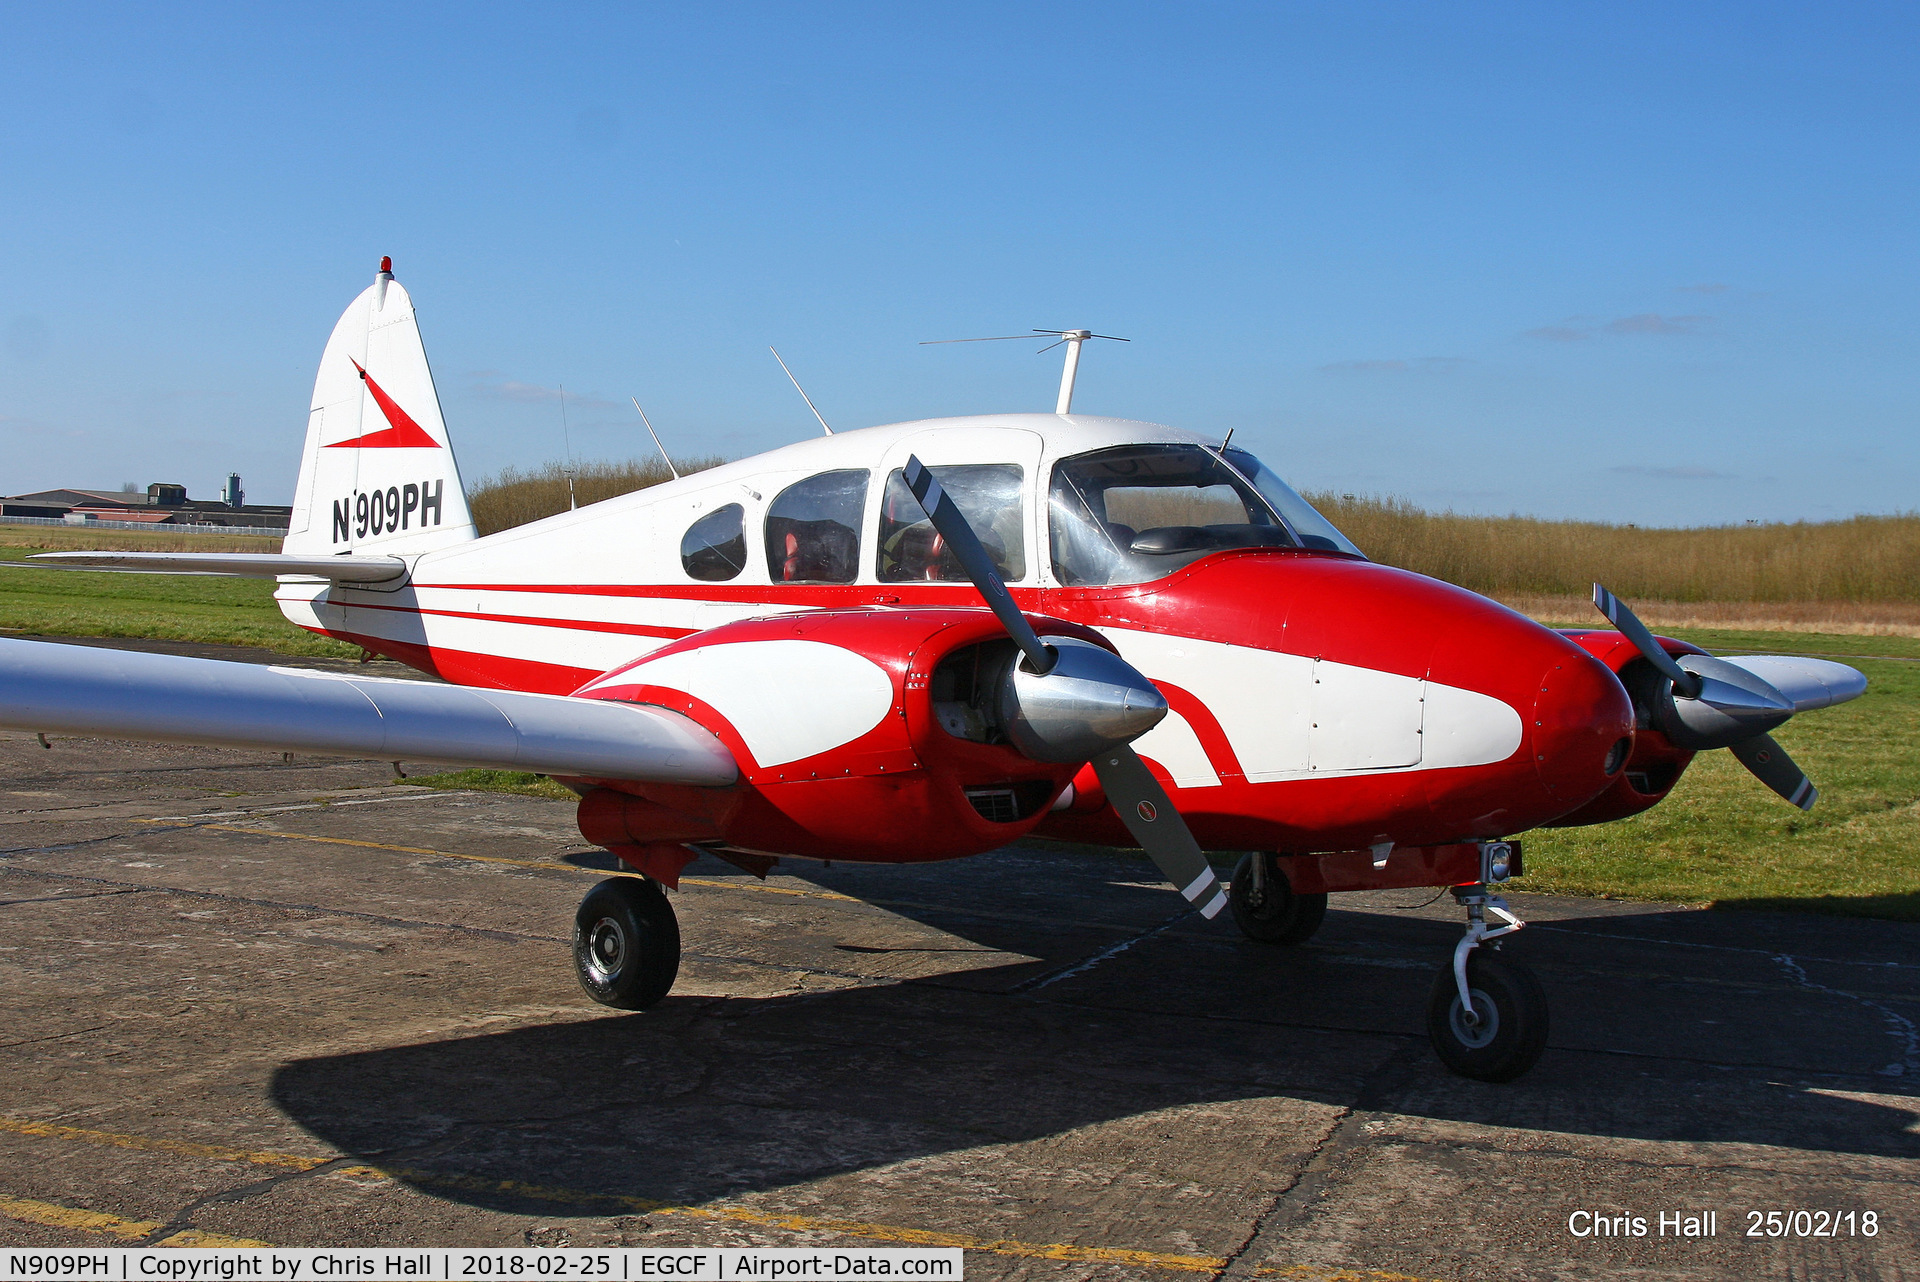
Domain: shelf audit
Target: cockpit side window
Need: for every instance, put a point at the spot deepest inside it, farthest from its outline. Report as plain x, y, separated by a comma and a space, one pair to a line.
989, 495
714, 548
813, 529
1134, 513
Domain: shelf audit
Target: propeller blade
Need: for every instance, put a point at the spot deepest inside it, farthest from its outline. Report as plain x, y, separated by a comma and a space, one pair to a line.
1144, 808
1685, 684
960, 538
1773, 767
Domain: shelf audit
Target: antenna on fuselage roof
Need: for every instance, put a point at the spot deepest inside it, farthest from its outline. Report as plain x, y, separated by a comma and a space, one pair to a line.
656, 437
799, 389
1071, 337
567, 435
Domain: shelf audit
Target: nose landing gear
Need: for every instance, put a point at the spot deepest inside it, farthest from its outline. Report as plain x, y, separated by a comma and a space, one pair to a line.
626, 943
1487, 1016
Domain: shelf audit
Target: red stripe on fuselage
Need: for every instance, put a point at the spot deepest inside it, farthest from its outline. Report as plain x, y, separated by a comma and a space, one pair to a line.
464, 667
531, 621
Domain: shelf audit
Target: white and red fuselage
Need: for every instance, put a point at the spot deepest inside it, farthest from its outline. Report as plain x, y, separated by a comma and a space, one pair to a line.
1321, 704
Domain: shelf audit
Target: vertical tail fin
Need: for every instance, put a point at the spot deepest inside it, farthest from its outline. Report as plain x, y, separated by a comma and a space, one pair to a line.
378, 474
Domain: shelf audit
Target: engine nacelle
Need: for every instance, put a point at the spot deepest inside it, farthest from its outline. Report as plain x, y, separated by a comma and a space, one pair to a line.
1655, 763
873, 734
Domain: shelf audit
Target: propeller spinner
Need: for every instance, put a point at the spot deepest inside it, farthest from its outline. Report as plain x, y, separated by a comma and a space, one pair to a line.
1070, 700
1732, 703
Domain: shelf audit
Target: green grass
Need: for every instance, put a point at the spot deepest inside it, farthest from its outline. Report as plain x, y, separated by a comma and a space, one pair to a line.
168, 607
1723, 839
519, 782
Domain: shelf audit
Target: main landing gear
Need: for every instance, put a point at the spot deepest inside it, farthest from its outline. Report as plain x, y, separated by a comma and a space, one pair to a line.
626, 943
1487, 1016
1266, 908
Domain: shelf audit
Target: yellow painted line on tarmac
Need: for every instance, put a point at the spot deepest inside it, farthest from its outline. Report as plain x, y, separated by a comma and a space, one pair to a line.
150, 1144
574, 1197
517, 863
53, 1216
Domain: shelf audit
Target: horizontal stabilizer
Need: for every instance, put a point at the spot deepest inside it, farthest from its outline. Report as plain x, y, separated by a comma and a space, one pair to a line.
126, 695
252, 565
1809, 683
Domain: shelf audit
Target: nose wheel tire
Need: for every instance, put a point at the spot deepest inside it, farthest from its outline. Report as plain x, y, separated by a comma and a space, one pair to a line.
626, 943
1266, 908
1511, 1028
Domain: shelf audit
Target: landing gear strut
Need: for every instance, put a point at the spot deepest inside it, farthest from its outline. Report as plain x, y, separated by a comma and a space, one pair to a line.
626, 943
1266, 908
1487, 1015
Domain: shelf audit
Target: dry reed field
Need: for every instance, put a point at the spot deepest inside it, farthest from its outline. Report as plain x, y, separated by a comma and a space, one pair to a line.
1858, 576
515, 497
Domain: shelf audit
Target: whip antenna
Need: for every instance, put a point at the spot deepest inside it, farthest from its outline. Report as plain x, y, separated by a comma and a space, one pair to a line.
1071, 337
567, 435
656, 437
799, 389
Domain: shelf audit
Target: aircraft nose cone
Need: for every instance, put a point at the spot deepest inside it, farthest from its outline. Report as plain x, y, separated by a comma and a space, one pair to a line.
1091, 700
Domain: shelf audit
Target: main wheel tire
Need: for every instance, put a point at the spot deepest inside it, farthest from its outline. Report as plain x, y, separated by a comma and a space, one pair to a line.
626, 943
1278, 915
1513, 1019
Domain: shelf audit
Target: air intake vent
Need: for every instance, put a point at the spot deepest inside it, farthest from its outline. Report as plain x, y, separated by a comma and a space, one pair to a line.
996, 805
1011, 802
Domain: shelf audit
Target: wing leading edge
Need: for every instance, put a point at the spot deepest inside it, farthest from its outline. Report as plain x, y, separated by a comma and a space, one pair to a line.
127, 695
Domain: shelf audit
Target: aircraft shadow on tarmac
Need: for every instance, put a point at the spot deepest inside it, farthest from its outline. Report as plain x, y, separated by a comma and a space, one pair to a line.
704, 1098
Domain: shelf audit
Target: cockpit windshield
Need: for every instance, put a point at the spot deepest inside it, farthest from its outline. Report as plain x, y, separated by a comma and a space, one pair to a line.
1134, 513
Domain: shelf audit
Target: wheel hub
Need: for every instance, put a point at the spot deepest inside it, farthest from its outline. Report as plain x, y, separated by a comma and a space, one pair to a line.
1474, 1035
606, 949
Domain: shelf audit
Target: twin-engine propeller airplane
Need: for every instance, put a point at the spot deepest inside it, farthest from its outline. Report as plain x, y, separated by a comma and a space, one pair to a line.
789, 656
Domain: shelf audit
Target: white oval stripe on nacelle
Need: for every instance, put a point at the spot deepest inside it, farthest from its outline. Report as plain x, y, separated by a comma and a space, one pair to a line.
787, 699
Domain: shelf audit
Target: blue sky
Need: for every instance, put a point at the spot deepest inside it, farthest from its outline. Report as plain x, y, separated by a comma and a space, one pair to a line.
1648, 263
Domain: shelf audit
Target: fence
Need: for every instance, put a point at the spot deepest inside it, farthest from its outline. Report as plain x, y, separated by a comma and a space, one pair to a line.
162, 527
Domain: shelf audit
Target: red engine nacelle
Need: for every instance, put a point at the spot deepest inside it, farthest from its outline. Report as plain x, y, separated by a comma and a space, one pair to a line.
1655, 765
929, 779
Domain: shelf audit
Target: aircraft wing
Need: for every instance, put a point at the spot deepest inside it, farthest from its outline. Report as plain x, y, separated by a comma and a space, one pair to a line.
126, 695
253, 565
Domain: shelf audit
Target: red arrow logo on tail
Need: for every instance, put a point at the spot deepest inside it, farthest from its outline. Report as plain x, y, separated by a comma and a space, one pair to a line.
404, 434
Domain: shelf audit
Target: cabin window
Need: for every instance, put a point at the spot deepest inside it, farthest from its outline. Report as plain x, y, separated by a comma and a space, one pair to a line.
1138, 512
989, 495
714, 548
813, 529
